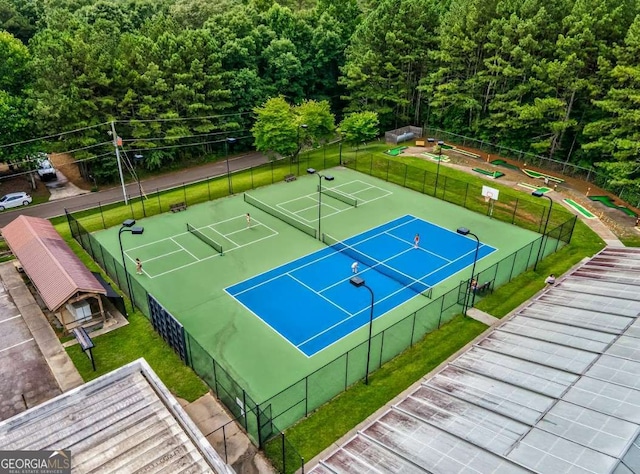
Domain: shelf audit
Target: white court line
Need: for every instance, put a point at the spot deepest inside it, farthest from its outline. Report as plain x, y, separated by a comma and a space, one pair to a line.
180, 234
210, 257
329, 255
314, 291
184, 249
150, 259
16, 345
269, 326
9, 319
419, 248
366, 308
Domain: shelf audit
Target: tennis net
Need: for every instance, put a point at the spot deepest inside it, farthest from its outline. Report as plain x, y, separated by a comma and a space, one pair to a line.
307, 229
405, 280
340, 196
207, 240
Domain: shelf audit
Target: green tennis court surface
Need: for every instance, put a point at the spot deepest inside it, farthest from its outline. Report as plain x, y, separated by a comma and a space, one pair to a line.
188, 276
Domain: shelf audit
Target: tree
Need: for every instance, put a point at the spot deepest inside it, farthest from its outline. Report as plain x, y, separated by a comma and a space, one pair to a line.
277, 130
616, 137
359, 127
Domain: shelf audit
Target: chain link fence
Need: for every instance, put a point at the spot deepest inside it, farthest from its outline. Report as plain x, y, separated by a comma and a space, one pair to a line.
263, 422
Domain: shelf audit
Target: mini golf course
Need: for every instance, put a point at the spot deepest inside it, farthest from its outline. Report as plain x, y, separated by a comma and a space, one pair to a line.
606, 200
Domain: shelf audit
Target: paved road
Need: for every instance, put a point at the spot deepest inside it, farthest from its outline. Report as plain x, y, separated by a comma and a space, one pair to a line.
114, 194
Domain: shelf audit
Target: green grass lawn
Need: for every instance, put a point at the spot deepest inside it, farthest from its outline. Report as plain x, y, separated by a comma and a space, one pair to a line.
138, 339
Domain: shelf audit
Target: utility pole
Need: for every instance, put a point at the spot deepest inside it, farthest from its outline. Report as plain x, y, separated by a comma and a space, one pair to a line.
115, 145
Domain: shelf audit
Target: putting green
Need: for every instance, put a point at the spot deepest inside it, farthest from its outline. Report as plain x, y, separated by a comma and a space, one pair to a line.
580, 209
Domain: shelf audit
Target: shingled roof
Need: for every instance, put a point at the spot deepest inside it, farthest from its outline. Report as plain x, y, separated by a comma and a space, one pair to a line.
54, 269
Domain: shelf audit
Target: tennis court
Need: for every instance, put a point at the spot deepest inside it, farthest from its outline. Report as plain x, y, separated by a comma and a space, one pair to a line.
293, 335
389, 263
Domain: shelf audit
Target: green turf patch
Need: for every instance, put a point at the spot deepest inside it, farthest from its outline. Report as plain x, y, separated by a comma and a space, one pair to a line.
442, 158
533, 187
396, 151
447, 147
538, 175
491, 174
580, 209
505, 164
606, 200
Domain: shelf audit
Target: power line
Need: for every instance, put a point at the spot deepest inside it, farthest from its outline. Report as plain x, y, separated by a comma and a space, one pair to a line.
177, 119
56, 135
182, 146
179, 137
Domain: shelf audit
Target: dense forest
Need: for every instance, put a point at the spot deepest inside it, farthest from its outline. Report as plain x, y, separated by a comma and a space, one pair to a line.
560, 78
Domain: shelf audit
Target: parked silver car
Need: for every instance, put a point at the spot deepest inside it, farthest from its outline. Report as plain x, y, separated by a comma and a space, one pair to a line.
14, 200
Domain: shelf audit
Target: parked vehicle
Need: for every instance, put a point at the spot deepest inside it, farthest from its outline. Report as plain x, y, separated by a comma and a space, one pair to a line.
45, 169
14, 200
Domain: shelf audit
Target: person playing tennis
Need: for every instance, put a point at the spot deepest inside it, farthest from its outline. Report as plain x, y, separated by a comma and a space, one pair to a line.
248, 220
138, 266
354, 267
416, 241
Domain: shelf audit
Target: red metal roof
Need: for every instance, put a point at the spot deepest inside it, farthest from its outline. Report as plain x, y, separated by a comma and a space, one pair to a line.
54, 269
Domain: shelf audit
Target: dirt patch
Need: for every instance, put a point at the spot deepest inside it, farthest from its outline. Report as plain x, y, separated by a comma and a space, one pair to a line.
68, 167
578, 190
23, 183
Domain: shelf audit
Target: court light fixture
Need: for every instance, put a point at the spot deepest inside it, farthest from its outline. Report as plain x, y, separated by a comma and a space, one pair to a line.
128, 226
464, 231
359, 282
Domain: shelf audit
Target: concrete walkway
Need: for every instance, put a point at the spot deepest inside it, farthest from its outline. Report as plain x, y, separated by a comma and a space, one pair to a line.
60, 364
226, 437
482, 317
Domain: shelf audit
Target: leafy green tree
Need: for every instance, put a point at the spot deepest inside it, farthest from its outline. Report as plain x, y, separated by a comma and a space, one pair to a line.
319, 121
616, 136
359, 127
275, 130
278, 129
387, 58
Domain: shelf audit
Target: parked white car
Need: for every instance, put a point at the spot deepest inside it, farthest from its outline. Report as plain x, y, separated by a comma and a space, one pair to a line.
14, 200
45, 169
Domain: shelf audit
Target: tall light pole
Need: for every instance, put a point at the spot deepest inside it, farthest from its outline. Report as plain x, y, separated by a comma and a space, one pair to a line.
465, 231
358, 282
320, 176
128, 226
303, 126
229, 141
440, 143
546, 223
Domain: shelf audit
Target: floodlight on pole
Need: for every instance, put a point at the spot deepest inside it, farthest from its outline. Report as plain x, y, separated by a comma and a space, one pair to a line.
128, 226
320, 176
229, 141
359, 282
546, 223
464, 231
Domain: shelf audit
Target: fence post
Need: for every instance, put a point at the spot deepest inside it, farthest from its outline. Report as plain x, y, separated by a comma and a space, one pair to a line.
284, 457
104, 224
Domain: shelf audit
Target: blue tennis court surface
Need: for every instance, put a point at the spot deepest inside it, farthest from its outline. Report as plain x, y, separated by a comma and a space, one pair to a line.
311, 303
